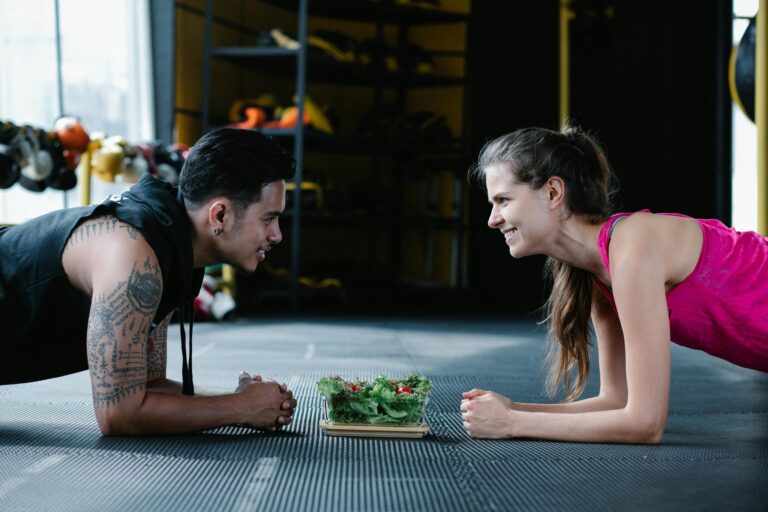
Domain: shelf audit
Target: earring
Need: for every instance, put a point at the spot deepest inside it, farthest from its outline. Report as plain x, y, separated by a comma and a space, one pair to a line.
217, 231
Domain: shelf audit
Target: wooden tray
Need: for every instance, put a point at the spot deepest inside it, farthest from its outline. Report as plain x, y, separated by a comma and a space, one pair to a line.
363, 430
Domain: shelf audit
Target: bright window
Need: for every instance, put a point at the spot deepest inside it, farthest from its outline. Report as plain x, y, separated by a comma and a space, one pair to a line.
106, 75
744, 184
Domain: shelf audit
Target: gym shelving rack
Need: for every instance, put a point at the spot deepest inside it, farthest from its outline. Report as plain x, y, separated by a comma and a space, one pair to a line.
304, 67
297, 133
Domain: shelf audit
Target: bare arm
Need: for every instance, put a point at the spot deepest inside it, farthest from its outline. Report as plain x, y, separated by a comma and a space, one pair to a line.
123, 276
157, 350
613, 383
639, 276
639, 290
157, 382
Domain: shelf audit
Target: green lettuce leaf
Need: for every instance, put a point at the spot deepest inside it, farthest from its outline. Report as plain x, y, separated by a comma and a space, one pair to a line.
384, 401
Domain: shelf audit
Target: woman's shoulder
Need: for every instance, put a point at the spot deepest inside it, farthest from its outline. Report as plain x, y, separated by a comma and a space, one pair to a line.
655, 229
635, 232
646, 224
674, 240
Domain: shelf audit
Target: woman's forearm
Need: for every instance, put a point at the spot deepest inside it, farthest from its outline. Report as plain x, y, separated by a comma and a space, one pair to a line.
598, 403
611, 426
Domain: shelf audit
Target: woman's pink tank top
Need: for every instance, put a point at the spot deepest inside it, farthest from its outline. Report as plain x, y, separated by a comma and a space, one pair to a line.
722, 306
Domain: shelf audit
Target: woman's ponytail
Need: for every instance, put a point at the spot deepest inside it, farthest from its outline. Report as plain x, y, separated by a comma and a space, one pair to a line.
568, 310
535, 155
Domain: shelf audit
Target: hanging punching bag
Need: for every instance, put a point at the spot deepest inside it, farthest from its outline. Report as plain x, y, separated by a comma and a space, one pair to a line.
741, 75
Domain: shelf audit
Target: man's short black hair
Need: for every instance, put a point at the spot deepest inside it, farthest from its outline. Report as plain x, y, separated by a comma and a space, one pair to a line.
235, 164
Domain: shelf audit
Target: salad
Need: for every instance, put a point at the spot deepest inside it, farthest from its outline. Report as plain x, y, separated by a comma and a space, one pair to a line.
383, 401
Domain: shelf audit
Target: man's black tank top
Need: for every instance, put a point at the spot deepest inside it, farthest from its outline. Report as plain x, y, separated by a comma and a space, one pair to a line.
43, 319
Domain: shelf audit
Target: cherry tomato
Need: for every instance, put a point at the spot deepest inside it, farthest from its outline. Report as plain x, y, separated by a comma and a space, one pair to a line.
353, 387
404, 389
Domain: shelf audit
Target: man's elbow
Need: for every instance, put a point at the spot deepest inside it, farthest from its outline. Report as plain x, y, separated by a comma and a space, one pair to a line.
116, 423
108, 429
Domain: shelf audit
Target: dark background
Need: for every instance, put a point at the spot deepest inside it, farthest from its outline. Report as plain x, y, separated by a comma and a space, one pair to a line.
649, 79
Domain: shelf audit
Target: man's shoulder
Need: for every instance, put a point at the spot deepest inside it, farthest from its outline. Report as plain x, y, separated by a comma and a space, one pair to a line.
102, 232
105, 246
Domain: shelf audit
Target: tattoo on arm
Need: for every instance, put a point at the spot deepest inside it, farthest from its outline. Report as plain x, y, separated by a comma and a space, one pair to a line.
99, 226
131, 231
118, 326
144, 289
157, 346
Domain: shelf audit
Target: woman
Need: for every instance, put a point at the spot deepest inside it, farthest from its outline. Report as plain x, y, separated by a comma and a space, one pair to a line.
644, 279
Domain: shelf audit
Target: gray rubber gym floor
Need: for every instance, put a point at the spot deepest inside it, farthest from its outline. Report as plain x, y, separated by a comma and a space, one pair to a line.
714, 455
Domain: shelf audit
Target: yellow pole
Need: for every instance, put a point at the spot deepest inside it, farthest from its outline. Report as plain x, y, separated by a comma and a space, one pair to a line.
228, 280
566, 14
84, 180
761, 116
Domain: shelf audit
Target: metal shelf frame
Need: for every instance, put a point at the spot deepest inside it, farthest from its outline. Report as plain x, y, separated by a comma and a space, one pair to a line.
277, 60
298, 132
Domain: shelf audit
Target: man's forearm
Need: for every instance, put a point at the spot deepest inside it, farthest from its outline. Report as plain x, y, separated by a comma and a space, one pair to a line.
169, 413
174, 387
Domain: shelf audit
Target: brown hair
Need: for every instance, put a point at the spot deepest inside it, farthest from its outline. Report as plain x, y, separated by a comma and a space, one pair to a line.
535, 155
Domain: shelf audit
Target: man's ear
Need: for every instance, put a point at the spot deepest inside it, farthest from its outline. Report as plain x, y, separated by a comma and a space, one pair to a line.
555, 188
217, 211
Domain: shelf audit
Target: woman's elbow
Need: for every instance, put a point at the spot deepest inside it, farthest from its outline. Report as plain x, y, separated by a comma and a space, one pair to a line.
648, 428
649, 435
655, 438
613, 399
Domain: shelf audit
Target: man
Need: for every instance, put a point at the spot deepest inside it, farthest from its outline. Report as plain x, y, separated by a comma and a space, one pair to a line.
95, 287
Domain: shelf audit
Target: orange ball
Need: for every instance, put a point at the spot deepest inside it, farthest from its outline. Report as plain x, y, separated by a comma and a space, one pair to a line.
72, 158
71, 134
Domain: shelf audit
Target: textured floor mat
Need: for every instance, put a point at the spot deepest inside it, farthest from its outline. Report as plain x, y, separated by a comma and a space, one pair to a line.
714, 455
